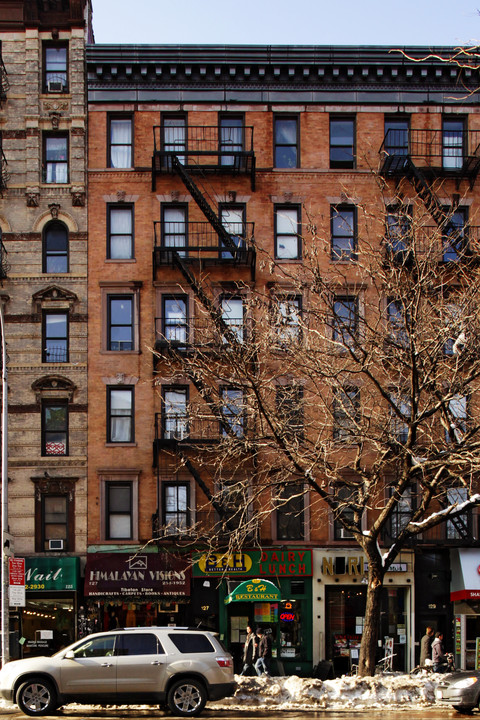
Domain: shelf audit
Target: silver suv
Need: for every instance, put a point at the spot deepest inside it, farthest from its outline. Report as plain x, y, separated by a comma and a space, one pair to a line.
176, 667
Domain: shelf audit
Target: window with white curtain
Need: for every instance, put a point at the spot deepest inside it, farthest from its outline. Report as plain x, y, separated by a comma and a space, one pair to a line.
55, 165
176, 512
233, 220
233, 316
175, 419
119, 511
231, 138
174, 228
287, 237
120, 415
120, 142
175, 136
120, 232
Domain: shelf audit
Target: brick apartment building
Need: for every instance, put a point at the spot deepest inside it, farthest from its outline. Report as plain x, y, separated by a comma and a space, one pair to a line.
201, 161
43, 219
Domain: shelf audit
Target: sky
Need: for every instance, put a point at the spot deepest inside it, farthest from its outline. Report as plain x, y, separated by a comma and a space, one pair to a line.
288, 22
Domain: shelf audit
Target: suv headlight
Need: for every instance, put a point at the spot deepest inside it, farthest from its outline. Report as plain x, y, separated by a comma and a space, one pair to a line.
465, 683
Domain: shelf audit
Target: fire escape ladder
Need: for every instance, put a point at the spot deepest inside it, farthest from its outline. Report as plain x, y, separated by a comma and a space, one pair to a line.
425, 192
206, 209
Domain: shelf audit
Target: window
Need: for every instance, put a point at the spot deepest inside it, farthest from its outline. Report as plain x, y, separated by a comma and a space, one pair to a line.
54, 428
55, 337
396, 136
55, 248
401, 415
175, 419
398, 231
233, 316
175, 326
453, 139
289, 405
120, 142
397, 332
176, 510
190, 643
120, 232
342, 142
233, 412
346, 413
286, 142
287, 320
232, 218
120, 415
345, 320
55, 520
119, 511
138, 644
454, 236
96, 647
453, 321
287, 233
120, 322
457, 418
291, 513
458, 527
234, 504
344, 232
55, 158
400, 516
175, 136
343, 508
231, 138
174, 228
55, 59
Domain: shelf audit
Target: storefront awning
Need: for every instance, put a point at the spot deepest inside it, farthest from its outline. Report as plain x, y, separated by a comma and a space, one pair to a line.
465, 566
254, 590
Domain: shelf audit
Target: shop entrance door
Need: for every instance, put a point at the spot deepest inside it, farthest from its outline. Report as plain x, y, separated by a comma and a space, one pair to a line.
471, 634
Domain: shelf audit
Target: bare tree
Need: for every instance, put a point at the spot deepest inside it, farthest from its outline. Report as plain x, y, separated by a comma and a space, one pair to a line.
349, 382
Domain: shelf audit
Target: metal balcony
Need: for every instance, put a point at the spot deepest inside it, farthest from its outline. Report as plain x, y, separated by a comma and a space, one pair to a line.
4, 266
199, 525
191, 430
197, 242
4, 83
204, 150
435, 152
450, 245
4, 174
199, 333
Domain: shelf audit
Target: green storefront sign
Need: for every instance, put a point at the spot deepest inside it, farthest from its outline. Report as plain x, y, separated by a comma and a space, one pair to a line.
45, 574
261, 563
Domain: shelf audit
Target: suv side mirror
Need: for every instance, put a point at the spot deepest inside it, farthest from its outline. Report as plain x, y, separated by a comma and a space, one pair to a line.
69, 655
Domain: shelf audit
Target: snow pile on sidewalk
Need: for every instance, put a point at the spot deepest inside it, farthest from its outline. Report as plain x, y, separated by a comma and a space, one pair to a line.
293, 693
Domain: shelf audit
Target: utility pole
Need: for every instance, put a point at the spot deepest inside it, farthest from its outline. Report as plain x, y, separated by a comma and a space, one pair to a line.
5, 609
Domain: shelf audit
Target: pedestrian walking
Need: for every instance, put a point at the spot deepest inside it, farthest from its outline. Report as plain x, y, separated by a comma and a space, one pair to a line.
426, 646
264, 651
440, 661
249, 652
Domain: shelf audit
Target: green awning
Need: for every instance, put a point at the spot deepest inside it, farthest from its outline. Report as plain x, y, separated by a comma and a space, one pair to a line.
254, 590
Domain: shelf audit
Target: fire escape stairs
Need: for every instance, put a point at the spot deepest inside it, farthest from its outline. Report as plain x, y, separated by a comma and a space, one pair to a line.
425, 192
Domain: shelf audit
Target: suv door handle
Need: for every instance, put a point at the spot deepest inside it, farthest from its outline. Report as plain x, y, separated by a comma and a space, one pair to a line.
106, 665
156, 662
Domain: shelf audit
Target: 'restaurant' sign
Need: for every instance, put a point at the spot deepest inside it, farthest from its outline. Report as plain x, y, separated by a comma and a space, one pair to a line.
144, 574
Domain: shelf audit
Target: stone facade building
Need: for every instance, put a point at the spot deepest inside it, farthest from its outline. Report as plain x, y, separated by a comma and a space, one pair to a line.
43, 219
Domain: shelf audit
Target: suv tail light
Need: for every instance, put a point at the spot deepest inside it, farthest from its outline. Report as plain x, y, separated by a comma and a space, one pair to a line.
224, 661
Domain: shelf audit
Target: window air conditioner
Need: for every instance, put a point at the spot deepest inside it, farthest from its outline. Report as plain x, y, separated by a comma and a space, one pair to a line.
55, 544
55, 86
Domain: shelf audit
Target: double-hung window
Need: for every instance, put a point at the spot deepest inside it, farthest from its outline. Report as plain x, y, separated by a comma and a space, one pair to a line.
344, 232
287, 232
55, 68
458, 528
396, 136
398, 231
290, 411
176, 507
454, 236
401, 415
175, 325
453, 143
118, 511
345, 320
342, 142
55, 248
120, 232
54, 427
346, 410
175, 135
233, 412
291, 513
175, 417
232, 218
54, 513
287, 320
120, 322
231, 138
457, 418
396, 328
120, 415
233, 316
120, 142
174, 228
55, 337
286, 142
343, 508
55, 158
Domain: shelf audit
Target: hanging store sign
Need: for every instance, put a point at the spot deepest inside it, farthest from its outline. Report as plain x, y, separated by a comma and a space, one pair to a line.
256, 590
256, 563
50, 573
147, 574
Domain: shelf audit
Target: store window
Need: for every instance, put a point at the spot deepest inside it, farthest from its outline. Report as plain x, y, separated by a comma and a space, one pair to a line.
48, 623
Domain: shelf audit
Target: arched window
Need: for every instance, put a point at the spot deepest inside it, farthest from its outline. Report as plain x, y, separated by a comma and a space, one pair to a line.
55, 248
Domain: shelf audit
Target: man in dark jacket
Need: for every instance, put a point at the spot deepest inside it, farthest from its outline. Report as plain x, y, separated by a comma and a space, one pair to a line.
249, 652
426, 646
264, 651
438, 655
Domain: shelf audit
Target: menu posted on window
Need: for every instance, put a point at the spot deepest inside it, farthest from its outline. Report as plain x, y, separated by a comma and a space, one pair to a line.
16, 575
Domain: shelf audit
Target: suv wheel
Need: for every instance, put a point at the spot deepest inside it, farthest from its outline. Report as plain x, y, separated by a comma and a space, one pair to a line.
37, 697
187, 697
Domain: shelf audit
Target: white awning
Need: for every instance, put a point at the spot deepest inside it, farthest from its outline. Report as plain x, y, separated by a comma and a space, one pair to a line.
465, 583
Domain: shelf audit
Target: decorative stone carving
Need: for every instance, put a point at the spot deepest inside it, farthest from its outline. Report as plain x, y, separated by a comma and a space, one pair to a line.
53, 486
54, 208
53, 293
121, 195
55, 119
232, 196
175, 195
78, 197
55, 386
33, 198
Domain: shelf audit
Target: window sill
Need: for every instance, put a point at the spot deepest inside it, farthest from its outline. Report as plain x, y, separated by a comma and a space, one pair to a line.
120, 352
120, 541
121, 444
120, 260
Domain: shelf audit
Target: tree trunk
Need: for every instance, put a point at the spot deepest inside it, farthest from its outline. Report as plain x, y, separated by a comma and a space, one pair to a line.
368, 647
